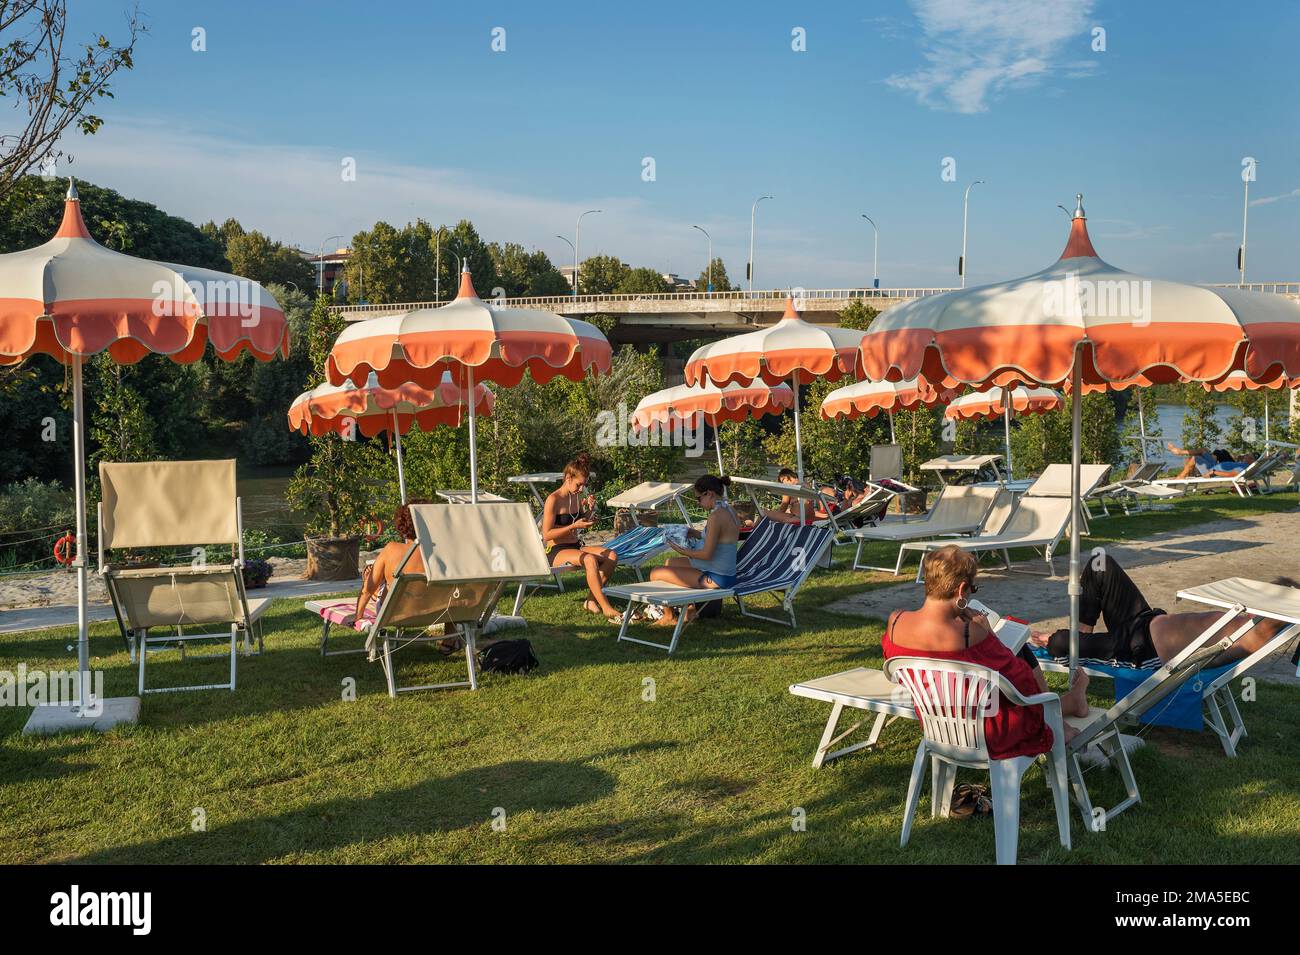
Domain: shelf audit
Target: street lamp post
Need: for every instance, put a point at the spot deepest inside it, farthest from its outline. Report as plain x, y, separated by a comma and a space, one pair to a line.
577, 244
752, 213
875, 255
569, 243
320, 262
965, 207
710, 266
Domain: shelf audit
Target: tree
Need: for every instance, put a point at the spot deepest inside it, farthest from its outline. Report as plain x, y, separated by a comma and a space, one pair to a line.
720, 281
831, 447
522, 273
857, 315
641, 281
1200, 426
254, 256
601, 274
1131, 434
464, 244
120, 424
392, 265
57, 89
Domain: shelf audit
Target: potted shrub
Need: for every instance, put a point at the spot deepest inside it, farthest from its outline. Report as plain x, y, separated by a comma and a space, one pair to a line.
256, 573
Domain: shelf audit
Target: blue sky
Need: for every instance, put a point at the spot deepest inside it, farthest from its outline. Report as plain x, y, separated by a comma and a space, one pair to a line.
1152, 130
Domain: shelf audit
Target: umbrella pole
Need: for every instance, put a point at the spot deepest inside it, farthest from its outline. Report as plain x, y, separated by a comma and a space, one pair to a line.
717, 444
1076, 429
397, 442
473, 451
892, 439
798, 438
84, 702
1006, 422
1267, 395
1142, 427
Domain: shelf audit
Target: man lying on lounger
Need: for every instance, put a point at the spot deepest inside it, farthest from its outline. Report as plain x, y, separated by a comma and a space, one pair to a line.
789, 511
1207, 463
1138, 635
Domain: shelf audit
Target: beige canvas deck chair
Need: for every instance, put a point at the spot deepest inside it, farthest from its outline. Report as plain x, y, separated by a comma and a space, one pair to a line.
960, 510
887, 465
177, 504
471, 552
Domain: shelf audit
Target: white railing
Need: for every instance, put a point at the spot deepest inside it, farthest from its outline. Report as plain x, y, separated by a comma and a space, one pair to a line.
766, 298
758, 300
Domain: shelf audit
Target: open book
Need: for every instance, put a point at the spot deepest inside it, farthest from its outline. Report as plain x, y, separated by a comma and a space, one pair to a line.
1013, 633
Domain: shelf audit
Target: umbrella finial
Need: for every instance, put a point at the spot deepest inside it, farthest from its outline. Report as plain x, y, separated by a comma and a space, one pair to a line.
790, 311
466, 284
73, 225
1079, 245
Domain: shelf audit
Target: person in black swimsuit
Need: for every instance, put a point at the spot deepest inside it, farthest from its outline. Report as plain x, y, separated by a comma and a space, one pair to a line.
1136, 633
566, 514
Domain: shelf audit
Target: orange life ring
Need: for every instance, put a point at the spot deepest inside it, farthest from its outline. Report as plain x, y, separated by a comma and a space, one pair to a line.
63, 549
372, 535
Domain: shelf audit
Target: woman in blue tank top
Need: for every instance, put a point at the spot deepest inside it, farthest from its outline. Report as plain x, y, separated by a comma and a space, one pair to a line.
712, 565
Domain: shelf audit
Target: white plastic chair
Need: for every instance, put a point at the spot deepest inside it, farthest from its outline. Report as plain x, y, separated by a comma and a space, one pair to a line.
952, 700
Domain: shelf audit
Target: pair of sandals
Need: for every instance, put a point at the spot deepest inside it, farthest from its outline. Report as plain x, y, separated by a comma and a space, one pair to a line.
969, 800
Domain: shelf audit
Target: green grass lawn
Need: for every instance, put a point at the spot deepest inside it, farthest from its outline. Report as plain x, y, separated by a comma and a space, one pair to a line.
583, 767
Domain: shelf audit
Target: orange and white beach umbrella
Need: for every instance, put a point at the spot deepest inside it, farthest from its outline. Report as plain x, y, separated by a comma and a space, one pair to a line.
791, 350
473, 341
732, 402
870, 398
372, 409
1002, 402
71, 299
1084, 324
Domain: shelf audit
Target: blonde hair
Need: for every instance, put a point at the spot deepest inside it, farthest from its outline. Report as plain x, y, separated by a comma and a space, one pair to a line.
946, 569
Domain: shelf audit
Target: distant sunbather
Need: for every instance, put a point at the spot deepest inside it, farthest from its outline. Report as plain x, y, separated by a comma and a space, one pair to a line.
792, 510
943, 628
1207, 463
566, 515
1137, 634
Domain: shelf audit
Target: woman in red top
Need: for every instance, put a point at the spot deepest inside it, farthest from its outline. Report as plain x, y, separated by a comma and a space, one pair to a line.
944, 629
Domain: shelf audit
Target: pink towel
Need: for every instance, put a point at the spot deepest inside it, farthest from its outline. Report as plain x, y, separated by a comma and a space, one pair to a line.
344, 614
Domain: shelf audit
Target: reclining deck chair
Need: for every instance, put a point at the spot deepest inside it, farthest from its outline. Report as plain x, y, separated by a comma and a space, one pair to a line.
1039, 521
1134, 493
189, 504
813, 500
470, 553
959, 510
775, 558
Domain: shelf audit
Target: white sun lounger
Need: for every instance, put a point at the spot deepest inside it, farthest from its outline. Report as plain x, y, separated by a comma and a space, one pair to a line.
189, 504
466, 497
775, 558
650, 496
887, 465
471, 552
1039, 520
963, 464
959, 510
534, 481
1133, 493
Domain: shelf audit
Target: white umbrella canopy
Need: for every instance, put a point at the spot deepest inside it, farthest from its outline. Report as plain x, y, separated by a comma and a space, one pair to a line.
372, 409
1003, 401
870, 398
731, 402
792, 350
1086, 325
71, 299
472, 340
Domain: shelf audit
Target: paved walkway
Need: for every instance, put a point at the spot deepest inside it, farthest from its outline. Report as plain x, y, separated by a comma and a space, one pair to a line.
41, 618
1260, 546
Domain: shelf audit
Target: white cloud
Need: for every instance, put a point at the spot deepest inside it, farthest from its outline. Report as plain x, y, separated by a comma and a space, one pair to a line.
976, 51
1269, 200
296, 194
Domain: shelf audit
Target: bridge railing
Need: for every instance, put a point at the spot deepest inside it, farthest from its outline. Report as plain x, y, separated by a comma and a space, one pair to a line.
761, 298
1277, 288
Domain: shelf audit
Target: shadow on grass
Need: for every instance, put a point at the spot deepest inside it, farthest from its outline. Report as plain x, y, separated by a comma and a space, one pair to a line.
465, 800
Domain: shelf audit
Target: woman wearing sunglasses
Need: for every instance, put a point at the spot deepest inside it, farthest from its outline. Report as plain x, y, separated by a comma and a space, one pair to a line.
944, 628
712, 565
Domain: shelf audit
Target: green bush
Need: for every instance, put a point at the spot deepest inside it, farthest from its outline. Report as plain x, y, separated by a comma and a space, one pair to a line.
268, 441
33, 514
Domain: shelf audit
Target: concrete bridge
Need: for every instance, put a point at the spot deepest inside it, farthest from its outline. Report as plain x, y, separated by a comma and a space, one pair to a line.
676, 316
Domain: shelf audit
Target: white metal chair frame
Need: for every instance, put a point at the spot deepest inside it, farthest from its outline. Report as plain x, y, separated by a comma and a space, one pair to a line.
952, 699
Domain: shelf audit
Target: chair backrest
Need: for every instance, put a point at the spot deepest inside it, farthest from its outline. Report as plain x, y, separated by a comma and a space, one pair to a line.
1055, 480
777, 555
952, 700
178, 596
635, 545
963, 505
1004, 505
473, 542
1038, 517
886, 462
1146, 472
168, 504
